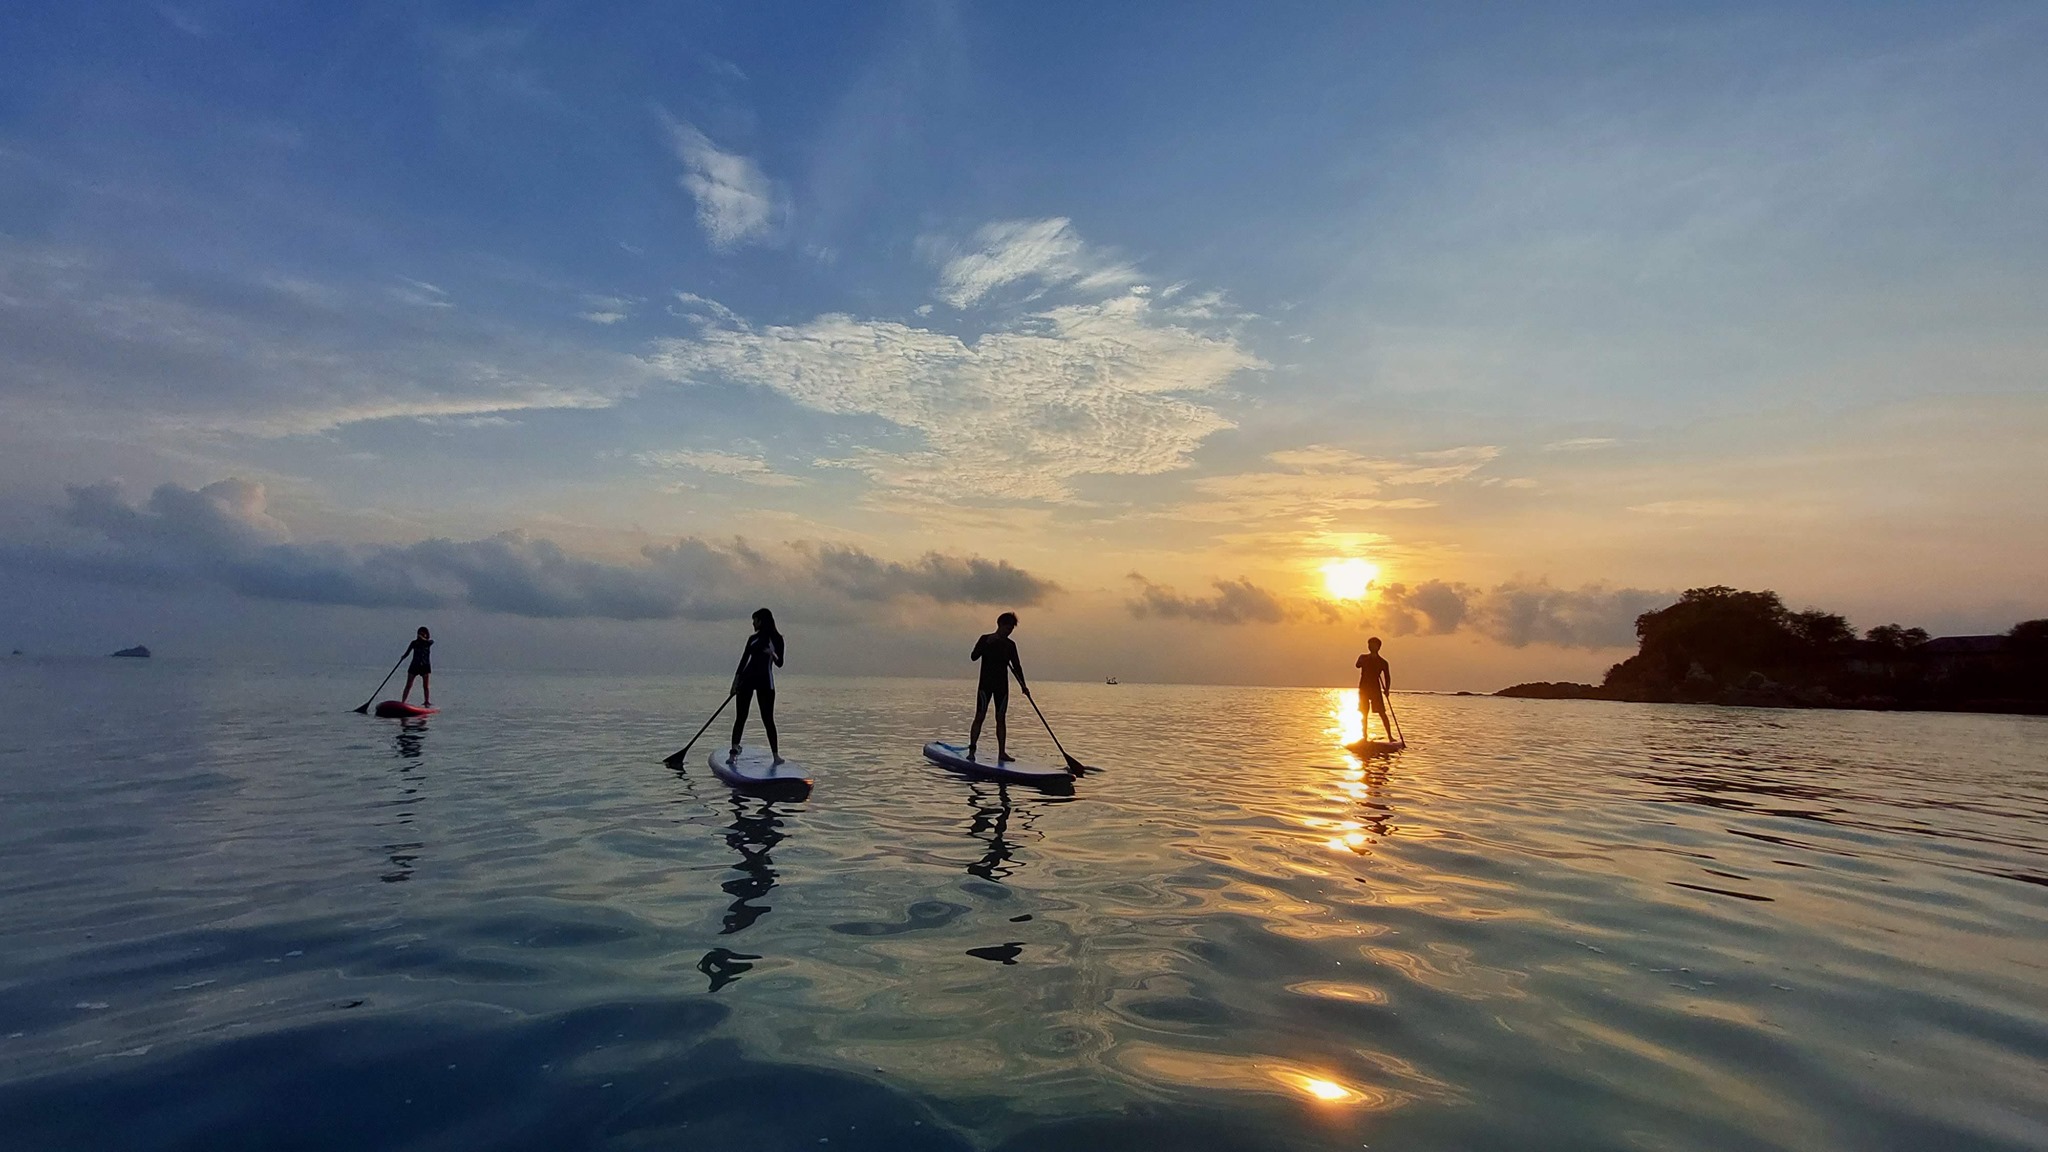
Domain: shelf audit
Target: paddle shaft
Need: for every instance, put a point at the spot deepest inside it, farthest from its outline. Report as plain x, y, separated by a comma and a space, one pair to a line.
1396, 718
685, 749
382, 683
1073, 765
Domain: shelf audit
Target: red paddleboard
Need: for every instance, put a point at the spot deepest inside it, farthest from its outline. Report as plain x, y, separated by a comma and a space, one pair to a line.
395, 708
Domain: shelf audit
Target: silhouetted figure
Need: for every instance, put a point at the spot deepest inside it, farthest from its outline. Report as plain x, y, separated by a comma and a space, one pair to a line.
421, 669
1375, 680
755, 678
998, 656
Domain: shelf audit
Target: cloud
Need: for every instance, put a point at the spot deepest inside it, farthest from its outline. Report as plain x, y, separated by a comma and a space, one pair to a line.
1085, 389
222, 535
421, 294
1236, 602
1517, 613
736, 202
1579, 444
607, 310
1315, 487
1048, 251
752, 469
1691, 508
946, 579
95, 346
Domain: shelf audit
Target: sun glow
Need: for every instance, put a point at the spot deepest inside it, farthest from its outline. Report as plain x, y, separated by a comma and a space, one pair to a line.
1349, 579
1315, 1087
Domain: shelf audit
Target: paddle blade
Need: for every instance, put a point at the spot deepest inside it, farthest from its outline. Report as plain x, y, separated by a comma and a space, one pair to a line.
675, 758
362, 709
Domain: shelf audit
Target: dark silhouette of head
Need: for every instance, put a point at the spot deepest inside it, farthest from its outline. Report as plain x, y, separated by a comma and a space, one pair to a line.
1373, 645
764, 621
1006, 623
424, 635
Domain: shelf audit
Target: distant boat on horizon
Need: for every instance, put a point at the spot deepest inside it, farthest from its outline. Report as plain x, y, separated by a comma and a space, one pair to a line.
139, 651
1111, 680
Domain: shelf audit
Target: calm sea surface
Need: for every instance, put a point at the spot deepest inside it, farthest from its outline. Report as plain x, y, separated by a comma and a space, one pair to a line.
235, 915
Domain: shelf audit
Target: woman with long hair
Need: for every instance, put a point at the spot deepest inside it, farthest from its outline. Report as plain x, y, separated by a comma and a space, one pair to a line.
755, 679
421, 669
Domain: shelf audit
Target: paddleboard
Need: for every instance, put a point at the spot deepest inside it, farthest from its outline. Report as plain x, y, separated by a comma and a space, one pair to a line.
954, 758
755, 769
1376, 747
390, 708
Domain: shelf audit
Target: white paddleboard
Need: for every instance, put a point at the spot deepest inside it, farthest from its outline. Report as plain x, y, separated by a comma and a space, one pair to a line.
954, 757
756, 768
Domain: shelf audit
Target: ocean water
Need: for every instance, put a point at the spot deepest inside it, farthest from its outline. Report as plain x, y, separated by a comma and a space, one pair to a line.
235, 915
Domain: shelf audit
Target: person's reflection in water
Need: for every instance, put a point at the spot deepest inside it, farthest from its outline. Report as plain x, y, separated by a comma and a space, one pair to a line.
991, 823
404, 854
753, 835
755, 830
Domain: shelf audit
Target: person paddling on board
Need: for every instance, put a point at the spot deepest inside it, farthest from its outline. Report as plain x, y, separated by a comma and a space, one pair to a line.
421, 668
1375, 680
755, 678
998, 656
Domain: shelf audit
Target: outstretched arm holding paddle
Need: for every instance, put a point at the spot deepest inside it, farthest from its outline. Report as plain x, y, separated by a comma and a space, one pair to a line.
365, 706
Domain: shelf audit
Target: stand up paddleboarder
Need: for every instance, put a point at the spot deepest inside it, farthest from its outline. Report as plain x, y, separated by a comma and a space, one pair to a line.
421, 669
755, 679
998, 656
1375, 680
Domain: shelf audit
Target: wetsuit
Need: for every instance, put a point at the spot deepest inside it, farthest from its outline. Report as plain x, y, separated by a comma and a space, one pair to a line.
998, 656
755, 678
421, 666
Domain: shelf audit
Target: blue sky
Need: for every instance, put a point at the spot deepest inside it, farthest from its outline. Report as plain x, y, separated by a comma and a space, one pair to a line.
1147, 310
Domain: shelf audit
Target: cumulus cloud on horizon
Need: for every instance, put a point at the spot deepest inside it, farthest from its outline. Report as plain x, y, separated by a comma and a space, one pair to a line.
1236, 601
1517, 613
223, 535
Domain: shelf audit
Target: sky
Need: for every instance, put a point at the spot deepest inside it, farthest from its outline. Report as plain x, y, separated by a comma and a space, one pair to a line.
577, 331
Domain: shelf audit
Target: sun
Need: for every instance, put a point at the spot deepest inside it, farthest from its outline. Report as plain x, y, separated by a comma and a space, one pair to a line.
1349, 579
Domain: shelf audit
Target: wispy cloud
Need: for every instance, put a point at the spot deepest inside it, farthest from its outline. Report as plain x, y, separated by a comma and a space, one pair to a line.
92, 343
607, 310
1310, 493
736, 202
223, 535
752, 469
421, 294
1087, 389
1047, 251
1579, 444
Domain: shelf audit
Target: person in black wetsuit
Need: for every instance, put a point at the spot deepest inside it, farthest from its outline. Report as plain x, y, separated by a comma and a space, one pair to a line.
1375, 680
755, 679
421, 668
998, 656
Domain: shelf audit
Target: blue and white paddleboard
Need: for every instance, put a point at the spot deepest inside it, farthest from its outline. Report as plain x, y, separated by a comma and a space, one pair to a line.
954, 757
754, 769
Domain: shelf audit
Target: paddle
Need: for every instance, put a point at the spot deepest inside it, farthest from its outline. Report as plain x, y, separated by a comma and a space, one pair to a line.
1396, 718
380, 685
676, 759
1073, 765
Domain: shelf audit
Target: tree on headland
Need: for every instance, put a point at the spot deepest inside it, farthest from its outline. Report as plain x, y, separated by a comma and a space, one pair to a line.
1725, 645
1895, 636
